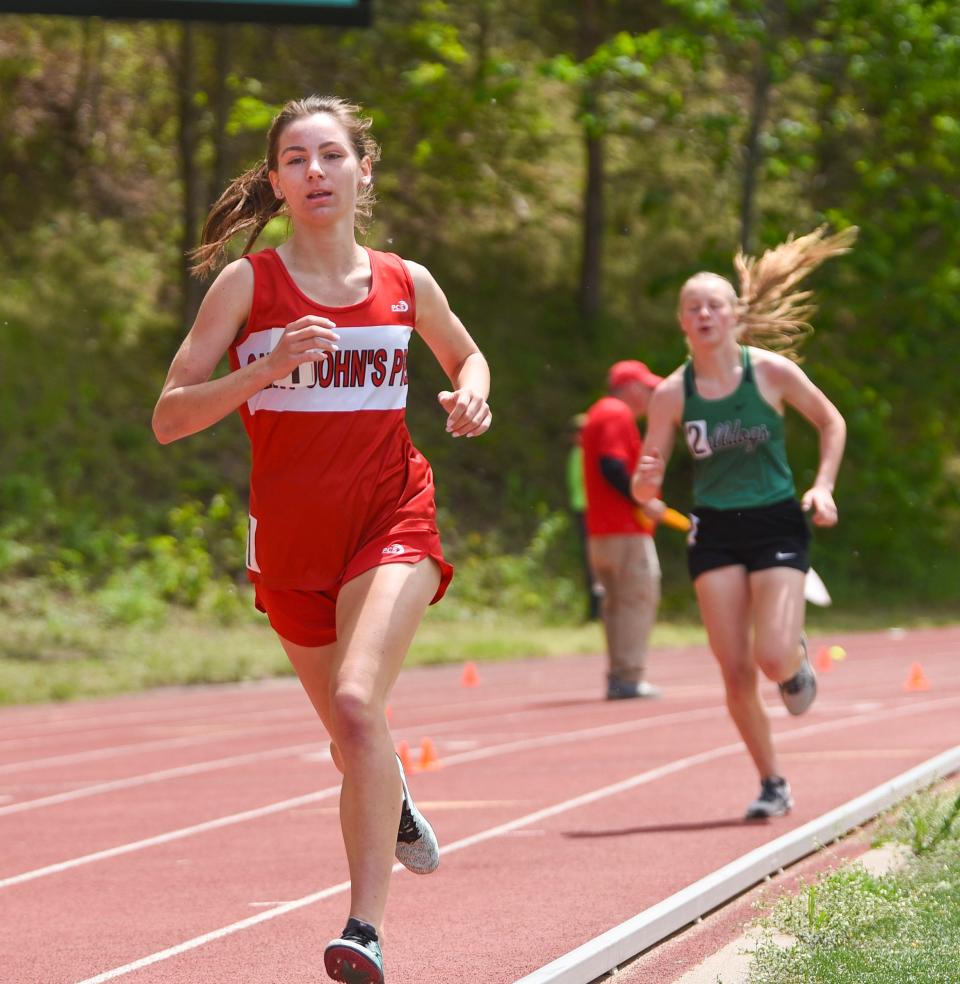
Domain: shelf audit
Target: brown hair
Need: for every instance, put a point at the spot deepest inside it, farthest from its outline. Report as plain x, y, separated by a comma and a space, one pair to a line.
249, 201
773, 315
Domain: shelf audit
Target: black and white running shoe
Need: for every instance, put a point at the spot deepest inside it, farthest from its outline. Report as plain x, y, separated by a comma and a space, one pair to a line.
355, 957
417, 847
774, 799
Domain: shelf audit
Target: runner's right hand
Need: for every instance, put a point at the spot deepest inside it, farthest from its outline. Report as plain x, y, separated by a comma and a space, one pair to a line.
308, 339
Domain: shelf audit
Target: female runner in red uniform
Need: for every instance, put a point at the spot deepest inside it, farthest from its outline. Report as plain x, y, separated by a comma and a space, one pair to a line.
343, 546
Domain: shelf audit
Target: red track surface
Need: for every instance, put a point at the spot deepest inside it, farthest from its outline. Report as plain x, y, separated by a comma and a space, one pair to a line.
130, 851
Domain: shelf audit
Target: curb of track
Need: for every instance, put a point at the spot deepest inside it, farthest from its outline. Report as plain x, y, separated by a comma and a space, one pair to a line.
609, 950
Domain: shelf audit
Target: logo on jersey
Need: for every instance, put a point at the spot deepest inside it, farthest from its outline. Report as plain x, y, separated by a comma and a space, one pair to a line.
726, 435
400, 307
393, 549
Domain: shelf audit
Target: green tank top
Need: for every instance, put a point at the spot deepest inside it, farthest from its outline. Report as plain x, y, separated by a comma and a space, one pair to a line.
737, 444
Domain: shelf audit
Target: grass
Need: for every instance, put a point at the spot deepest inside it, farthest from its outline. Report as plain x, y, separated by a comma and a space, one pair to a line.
59, 647
851, 927
62, 645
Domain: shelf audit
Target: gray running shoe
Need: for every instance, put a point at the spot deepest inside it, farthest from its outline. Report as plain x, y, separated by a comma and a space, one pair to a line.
625, 689
355, 957
799, 692
417, 847
774, 799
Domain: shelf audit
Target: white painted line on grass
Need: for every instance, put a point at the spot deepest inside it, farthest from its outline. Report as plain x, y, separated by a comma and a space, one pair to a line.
524, 821
602, 954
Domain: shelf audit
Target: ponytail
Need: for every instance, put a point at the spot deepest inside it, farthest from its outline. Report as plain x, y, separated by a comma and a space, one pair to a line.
249, 203
772, 314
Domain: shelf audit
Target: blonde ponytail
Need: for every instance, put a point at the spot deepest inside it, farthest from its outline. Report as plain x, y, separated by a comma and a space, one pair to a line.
772, 314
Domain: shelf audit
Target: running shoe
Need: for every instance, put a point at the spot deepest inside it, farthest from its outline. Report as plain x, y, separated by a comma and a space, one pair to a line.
774, 799
799, 691
355, 957
625, 689
417, 847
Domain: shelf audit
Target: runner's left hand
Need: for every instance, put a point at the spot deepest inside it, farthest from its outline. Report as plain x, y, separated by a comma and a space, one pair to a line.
820, 499
468, 414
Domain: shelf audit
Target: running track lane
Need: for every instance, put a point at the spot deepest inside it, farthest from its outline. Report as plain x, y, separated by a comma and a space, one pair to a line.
189, 835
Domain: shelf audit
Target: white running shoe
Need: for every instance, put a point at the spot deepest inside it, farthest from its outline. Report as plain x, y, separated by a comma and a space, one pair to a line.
417, 847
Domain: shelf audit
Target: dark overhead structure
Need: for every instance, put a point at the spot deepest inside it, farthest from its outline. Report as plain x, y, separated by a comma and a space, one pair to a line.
347, 13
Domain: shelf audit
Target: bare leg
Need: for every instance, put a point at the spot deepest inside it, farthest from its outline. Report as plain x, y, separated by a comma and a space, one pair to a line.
724, 597
377, 615
778, 610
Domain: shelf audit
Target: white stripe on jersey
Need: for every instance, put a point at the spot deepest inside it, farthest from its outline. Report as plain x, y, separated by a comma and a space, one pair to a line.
368, 372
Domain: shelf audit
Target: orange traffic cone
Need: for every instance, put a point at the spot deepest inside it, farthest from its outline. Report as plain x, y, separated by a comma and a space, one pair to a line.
428, 755
403, 753
916, 678
824, 663
470, 676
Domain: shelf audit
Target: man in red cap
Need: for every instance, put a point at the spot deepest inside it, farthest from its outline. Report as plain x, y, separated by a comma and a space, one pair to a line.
619, 543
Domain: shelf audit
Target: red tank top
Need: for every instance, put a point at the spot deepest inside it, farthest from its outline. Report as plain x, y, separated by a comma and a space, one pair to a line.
333, 463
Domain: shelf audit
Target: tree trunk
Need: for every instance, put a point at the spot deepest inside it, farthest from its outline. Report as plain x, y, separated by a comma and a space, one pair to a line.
753, 152
223, 41
591, 261
591, 266
192, 291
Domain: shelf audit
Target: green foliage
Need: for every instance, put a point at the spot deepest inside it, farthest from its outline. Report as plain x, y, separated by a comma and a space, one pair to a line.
535, 580
482, 109
852, 927
924, 823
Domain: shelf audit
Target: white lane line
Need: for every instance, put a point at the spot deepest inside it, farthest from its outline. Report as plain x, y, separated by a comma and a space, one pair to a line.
185, 715
144, 779
116, 751
228, 730
211, 765
270, 808
604, 953
172, 835
183, 710
460, 845
531, 818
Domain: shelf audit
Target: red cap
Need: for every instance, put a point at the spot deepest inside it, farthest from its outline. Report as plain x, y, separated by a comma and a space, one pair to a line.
631, 371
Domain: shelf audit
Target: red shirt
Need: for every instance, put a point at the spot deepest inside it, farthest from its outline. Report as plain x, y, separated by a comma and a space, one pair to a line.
333, 463
611, 431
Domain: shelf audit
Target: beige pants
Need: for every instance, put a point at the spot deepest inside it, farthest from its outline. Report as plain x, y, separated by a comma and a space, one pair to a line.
628, 568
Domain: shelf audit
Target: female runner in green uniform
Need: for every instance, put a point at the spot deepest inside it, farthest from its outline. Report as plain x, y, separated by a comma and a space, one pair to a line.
748, 547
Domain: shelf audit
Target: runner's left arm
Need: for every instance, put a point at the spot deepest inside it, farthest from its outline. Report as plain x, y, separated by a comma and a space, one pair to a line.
468, 414
797, 391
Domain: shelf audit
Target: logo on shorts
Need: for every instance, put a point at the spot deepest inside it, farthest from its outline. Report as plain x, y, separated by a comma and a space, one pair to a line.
784, 555
400, 307
394, 548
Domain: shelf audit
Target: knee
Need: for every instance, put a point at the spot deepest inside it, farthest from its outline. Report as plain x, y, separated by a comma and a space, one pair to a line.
777, 661
355, 718
740, 683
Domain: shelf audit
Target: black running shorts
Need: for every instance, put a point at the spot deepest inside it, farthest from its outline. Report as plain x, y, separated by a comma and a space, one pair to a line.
759, 538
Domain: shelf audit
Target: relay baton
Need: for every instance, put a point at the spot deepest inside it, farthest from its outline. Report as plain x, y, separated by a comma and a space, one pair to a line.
671, 517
